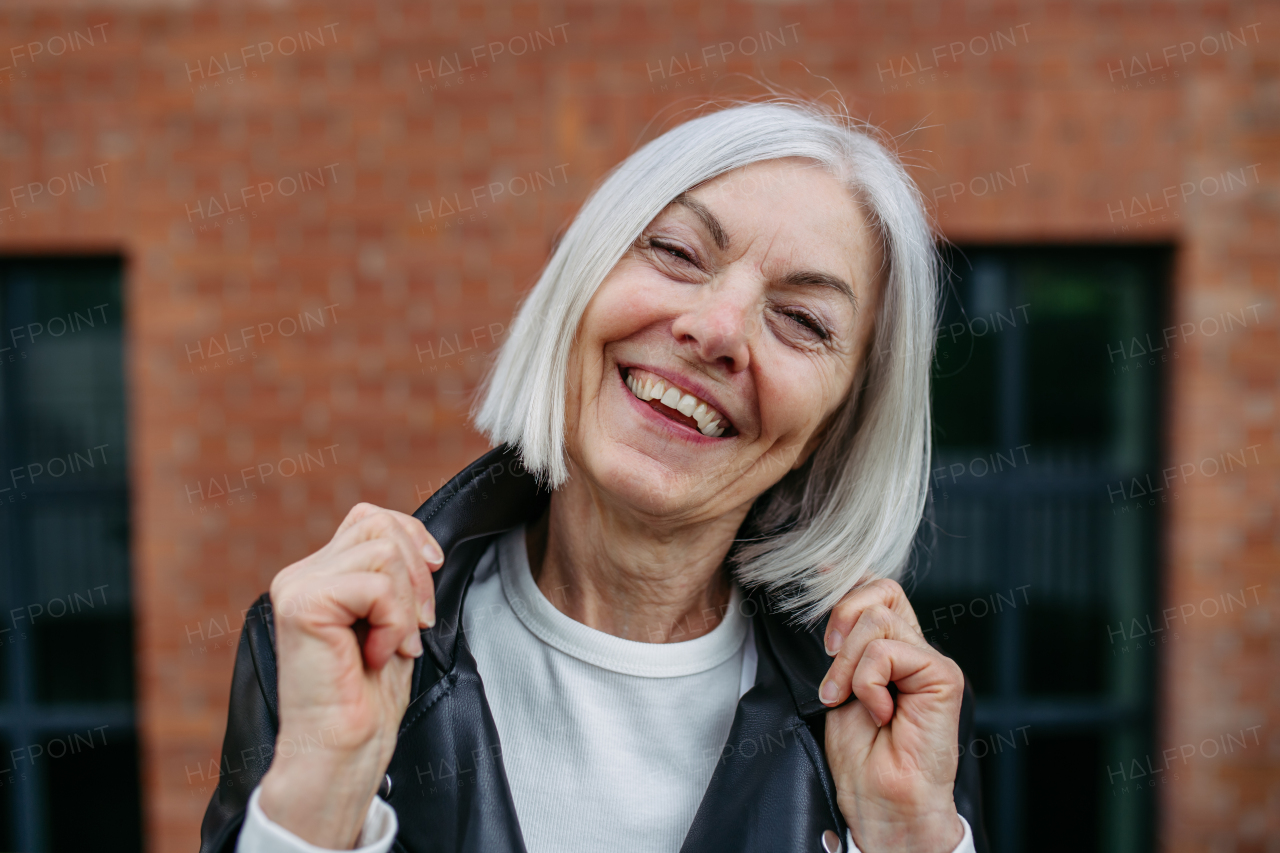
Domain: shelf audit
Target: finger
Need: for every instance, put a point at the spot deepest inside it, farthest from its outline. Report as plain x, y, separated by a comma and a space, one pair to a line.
374, 556
851, 730
384, 525
844, 615
381, 556
356, 514
423, 541
393, 626
876, 622
915, 671
318, 605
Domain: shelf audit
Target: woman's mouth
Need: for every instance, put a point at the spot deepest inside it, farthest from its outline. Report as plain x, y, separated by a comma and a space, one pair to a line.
675, 403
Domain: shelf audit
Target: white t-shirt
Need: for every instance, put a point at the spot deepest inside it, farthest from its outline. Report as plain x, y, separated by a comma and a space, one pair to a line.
608, 744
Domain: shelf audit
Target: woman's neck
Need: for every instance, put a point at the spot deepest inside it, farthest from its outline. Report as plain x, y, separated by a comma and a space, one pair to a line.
624, 576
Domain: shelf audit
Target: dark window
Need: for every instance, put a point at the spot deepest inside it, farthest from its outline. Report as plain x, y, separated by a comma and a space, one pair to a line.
69, 769
1046, 401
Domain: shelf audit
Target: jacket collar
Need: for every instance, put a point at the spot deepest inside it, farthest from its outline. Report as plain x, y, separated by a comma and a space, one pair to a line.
496, 493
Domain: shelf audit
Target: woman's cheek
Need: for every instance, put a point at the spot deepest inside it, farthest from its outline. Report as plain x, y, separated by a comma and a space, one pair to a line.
795, 399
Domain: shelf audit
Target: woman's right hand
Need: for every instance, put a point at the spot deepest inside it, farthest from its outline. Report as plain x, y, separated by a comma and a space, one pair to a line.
347, 621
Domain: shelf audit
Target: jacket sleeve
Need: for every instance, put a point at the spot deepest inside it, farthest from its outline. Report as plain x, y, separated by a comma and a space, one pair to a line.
252, 724
968, 788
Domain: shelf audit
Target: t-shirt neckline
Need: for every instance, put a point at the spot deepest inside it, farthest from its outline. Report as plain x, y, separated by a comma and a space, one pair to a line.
629, 657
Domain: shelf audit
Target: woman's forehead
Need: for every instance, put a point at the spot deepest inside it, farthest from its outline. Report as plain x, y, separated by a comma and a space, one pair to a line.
763, 175
797, 205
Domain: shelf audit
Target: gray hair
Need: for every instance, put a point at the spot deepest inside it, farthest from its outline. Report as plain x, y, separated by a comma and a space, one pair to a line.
850, 514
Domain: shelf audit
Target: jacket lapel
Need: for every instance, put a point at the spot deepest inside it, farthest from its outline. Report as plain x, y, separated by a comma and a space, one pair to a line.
491, 495
770, 790
449, 786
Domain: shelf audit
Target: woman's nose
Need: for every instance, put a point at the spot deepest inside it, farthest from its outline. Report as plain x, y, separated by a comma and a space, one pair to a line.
718, 325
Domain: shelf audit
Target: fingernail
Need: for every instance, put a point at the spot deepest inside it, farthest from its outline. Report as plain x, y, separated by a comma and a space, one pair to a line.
828, 692
834, 642
431, 553
427, 612
415, 645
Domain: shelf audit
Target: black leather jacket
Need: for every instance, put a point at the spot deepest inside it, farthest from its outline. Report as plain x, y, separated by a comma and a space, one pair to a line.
771, 791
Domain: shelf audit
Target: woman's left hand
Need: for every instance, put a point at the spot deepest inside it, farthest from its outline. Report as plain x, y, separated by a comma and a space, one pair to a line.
894, 767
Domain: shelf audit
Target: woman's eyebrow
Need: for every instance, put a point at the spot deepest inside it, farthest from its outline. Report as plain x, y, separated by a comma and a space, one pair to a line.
800, 278
709, 221
804, 278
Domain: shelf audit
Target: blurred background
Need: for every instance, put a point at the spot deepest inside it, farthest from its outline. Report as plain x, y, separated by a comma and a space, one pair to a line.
254, 257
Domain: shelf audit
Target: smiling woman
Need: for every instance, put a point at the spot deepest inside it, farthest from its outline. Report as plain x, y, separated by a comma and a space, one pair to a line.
836, 212
681, 632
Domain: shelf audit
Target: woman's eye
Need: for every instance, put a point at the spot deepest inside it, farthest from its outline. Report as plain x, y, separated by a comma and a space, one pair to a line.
809, 322
673, 250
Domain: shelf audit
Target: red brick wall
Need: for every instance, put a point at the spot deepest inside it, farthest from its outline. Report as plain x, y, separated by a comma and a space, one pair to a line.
361, 328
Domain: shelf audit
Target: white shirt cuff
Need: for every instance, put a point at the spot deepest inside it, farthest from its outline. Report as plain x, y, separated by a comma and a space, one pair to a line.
262, 835
965, 845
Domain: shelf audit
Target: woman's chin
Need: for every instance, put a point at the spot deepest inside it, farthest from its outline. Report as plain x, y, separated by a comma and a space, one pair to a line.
651, 482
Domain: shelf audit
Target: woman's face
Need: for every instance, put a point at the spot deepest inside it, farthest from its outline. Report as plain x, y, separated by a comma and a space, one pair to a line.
712, 356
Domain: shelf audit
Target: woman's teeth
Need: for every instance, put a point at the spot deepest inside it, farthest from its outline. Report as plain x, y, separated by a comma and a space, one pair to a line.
648, 387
